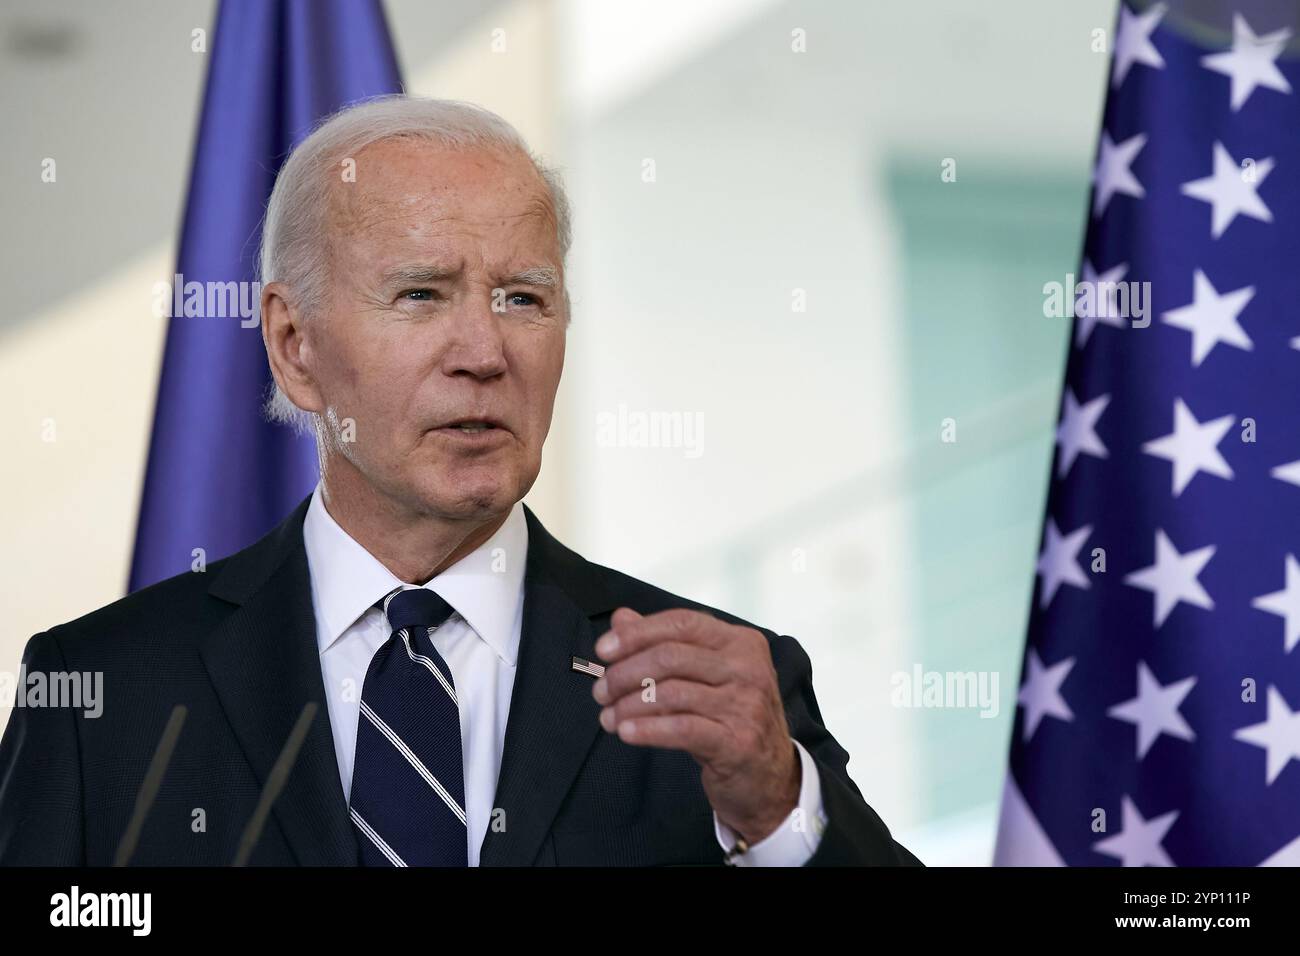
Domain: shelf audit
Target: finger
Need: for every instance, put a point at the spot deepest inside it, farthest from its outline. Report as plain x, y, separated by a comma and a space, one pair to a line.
660, 662
624, 615
704, 739
669, 697
675, 624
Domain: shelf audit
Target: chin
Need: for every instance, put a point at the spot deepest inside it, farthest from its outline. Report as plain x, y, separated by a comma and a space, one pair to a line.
471, 495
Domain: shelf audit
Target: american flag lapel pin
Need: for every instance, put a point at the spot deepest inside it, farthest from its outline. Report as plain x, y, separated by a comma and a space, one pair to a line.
587, 667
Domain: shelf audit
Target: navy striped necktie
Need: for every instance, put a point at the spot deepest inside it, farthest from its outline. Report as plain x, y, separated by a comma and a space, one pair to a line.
408, 779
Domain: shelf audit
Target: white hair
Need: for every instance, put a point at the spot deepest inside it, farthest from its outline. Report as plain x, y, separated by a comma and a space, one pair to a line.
294, 244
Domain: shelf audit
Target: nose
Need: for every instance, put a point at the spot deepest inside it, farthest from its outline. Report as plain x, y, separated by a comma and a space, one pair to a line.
476, 344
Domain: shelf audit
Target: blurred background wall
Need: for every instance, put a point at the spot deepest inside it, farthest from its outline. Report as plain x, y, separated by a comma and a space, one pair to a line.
767, 253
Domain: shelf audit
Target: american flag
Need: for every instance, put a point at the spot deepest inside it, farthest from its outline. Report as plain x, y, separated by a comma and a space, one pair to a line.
1158, 719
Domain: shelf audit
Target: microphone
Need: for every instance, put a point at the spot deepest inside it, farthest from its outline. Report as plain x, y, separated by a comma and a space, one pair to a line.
275, 782
152, 782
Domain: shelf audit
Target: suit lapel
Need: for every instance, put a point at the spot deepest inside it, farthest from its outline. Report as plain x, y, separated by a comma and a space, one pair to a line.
553, 720
263, 662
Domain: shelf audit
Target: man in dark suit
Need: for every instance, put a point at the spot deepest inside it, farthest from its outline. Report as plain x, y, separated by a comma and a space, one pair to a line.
410, 670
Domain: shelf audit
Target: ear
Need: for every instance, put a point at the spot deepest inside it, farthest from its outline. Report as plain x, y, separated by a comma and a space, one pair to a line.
287, 350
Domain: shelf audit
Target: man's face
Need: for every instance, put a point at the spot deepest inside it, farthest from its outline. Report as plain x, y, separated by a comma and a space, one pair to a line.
445, 308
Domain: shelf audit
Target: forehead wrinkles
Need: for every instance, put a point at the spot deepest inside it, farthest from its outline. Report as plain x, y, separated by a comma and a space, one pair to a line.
389, 225
416, 183
541, 206
413, 188
368, 210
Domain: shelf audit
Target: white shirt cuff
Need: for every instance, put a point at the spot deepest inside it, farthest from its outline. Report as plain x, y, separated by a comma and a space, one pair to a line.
795, 841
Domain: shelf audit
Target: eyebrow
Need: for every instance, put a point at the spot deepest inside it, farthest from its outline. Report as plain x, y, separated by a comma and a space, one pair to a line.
541, 276
414, 275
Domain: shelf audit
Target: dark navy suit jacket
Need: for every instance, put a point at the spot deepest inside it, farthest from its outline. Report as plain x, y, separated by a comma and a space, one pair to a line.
237, 646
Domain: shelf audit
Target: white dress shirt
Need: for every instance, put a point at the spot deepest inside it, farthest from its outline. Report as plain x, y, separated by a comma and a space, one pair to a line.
480, 643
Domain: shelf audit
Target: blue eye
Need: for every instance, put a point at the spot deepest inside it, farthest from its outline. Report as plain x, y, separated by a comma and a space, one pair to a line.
418, 295
528, 298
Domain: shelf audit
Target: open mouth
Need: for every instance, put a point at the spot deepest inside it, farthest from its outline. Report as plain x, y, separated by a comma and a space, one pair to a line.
474, 427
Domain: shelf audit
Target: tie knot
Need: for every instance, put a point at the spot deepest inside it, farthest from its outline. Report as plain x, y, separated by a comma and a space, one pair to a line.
416, 607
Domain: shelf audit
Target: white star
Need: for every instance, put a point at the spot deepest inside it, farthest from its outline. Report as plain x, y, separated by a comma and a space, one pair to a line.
1285, 603
1250, 63
1138, 843
1155, 709
1230, 189
1100, 306
1290, 473
1192, 446
1212, 318
1077, 431
1279, 734
1041, 692
1113, 174
1173, 577
1133, 42
1058, 564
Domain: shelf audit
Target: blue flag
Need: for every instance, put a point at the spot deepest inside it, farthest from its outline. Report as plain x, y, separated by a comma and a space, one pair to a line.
219, 475
1159, 706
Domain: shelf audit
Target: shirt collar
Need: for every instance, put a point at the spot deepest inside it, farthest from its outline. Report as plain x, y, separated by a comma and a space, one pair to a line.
486, 587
